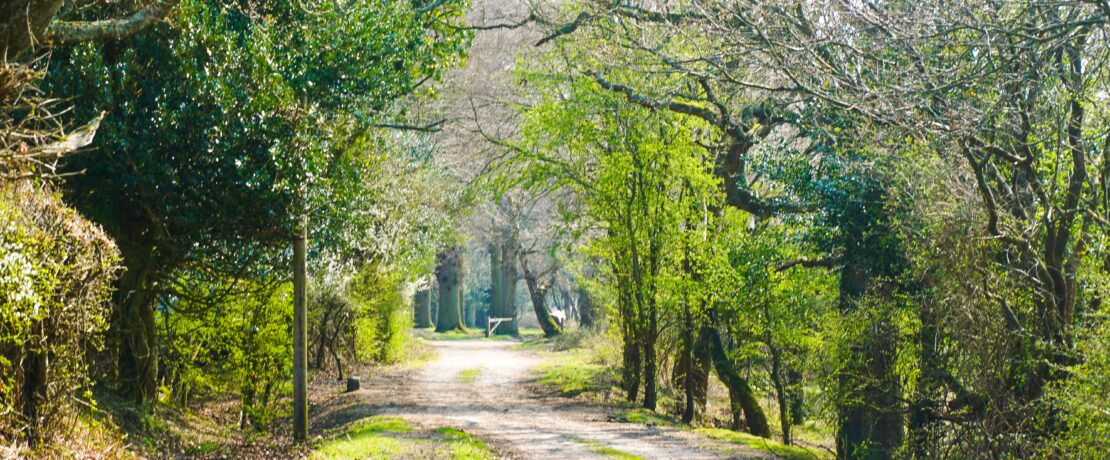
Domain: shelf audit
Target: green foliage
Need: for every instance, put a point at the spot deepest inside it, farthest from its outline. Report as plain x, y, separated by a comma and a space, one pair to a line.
240, 344
225, 126
383, 316
1082, 397
644, 179
55, 274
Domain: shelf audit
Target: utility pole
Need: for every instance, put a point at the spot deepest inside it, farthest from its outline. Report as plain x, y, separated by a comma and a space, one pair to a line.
300, 335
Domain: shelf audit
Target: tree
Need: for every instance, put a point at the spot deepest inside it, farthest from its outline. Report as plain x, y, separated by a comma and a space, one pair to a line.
450, 273
254, 131
422, 307
1009, 88
503, 279
641, 175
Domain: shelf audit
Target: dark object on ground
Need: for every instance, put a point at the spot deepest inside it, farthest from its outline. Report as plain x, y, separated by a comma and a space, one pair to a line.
352, 384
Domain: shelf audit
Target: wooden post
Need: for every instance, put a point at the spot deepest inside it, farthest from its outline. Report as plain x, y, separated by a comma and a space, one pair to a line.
300, 335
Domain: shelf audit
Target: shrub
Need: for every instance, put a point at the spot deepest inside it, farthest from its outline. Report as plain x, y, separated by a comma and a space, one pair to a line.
383, 317
1082, 397
364, 318
240, 343
56, 270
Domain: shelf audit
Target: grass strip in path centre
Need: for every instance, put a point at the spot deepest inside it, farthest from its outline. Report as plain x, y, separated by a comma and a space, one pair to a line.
381, 437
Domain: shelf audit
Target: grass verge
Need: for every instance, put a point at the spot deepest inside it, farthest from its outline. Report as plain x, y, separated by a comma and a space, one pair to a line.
525, 333
573, 374
606, 451
576, 373
763, 444
391, 437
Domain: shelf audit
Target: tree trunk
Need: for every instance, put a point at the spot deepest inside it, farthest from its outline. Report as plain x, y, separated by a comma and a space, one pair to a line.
338, 362
433, 293
926, 398
630, 352
539, 305
422, 309
496, 282
508, 278
691, 373
34, 390
585, 309
795, 395
869, 420
650, 338
777, 379
873, 427
133, 321
450, 275
650, 374
686, 361
23, 23
738, 387
630, 369
470, 310
538, 291
322, 337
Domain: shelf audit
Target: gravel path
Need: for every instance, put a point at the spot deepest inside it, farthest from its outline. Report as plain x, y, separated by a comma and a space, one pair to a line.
498, 406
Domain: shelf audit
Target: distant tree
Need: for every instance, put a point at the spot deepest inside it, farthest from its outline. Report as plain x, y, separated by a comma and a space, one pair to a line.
422, 308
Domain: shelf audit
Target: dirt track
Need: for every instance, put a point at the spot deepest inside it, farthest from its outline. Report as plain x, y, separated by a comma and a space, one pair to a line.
498, 407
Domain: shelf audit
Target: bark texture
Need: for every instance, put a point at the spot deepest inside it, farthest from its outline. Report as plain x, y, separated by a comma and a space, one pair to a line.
450, 274
422, 308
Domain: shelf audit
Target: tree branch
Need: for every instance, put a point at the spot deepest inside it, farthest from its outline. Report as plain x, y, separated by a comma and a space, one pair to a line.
70, 32
680, 107
433, 127
808, 263
567, 28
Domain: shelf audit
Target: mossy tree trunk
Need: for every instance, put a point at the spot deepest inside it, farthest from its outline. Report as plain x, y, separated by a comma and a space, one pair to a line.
509, 278
503, 279
495, 281
470, 309
538, 285
450, 275
740, 391
422, 308
870, 420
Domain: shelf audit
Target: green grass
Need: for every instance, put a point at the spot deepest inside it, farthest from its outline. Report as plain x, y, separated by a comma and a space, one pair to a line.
766, 445
533, 339
475, 333
648, 417
465, 446
606, 451
431, 334
391, 437
470, 375
573, 374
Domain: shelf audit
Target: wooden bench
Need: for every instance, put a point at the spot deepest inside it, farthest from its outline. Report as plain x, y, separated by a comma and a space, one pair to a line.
492, 323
